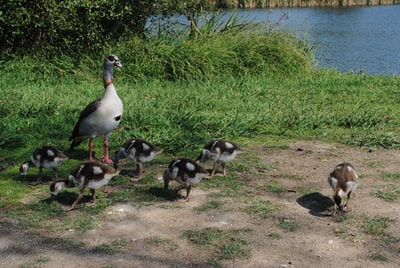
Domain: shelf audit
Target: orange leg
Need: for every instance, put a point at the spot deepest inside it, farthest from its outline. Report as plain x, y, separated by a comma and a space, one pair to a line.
93, 194
106, 158
186, 198
214, 170
78, 199
90, 149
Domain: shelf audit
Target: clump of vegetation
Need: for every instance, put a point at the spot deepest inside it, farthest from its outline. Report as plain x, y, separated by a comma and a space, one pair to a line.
52, 28
287, 224
209, 205
111, 248
274, 187
225, 244
389, 192
376, 225
260, 208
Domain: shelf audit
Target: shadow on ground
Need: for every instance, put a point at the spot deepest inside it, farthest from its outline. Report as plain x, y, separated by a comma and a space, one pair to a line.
316, 203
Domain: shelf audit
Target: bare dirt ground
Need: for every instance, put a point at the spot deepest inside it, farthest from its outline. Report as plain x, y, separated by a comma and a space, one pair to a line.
317, 240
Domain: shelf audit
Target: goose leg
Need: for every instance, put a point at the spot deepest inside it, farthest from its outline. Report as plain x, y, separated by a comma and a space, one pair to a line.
78, 199
139, 169
223, 169
106, 158
345, 204
93, 194
177, 189
90, 149
214, 170
186, 198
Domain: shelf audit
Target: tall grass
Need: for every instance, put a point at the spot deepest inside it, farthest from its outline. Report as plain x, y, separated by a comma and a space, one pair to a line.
220, 46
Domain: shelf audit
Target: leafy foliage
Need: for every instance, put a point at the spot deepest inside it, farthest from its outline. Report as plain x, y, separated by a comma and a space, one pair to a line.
57, 27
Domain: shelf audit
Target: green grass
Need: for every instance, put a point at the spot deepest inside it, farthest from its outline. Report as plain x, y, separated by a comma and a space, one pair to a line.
274, 187
111, 248
379, 257
224, 244
389, 192
210, 205
376, 225
228, 186
287, 224
391, 177
260, 208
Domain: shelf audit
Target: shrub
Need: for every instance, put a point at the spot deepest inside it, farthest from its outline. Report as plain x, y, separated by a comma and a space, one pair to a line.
56, 27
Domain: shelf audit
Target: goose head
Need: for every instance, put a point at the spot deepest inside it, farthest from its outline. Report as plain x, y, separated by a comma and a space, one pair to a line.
108, 67
23, 169
58, 185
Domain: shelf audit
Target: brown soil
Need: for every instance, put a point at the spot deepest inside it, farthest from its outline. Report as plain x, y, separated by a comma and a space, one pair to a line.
318, 240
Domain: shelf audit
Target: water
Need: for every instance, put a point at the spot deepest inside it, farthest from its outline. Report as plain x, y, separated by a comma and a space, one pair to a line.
348, 39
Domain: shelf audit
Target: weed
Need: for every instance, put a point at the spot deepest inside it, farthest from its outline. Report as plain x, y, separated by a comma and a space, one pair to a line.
388, 239
224, 244
376, 225
157, 240
114, 247
379, 257
287, 224
260, 208
391, 177
275, 235
274, 187
69, 243
340, 218
209, 205
43, 260
229, 185
390, 192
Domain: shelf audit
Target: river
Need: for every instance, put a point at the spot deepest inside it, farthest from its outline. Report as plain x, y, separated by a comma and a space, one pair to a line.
348, 38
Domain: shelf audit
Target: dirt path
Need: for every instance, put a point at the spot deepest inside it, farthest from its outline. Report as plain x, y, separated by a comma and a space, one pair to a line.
152, 234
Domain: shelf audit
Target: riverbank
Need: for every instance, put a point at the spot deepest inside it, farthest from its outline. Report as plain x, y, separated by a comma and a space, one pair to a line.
301, 3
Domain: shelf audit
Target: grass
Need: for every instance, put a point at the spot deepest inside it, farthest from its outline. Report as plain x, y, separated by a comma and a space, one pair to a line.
260, 208
210, 205
274, 187
389, 192
111, 248
287, 224
376, 225
224, 244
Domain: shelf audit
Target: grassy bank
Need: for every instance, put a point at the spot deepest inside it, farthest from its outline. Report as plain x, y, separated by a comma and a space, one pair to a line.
246, 86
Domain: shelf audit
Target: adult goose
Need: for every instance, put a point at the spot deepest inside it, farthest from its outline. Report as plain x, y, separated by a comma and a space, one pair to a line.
139, 151
219, 151
101, 116
90, 175
47, 157
186, 172
343, 180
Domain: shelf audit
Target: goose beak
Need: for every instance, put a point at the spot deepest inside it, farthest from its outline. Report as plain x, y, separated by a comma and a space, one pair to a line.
118, 64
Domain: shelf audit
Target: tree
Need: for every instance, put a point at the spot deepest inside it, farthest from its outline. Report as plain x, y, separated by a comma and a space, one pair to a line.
54, 26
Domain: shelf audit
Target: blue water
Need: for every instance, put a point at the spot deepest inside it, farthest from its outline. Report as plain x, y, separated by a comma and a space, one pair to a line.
347, 39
